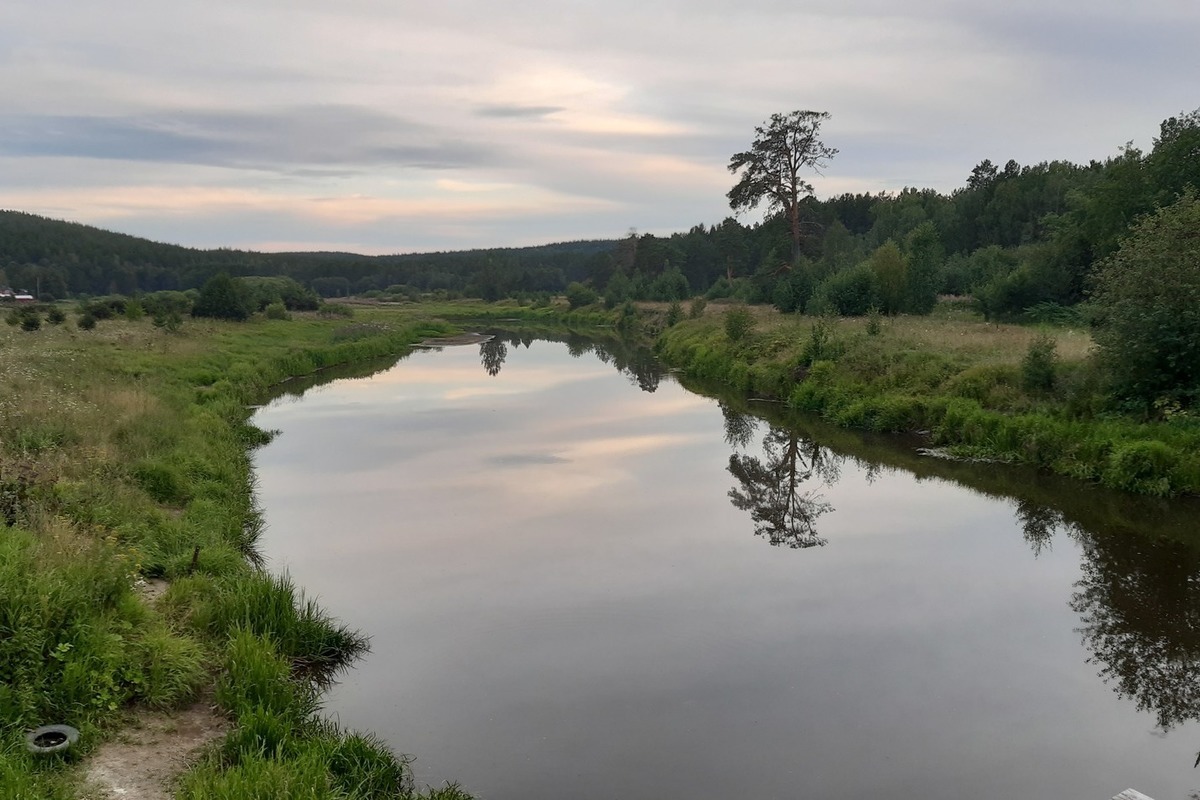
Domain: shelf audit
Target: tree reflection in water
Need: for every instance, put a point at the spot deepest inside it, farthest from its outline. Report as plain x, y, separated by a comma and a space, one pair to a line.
771, 487
1139, 603
637, 364
492, 354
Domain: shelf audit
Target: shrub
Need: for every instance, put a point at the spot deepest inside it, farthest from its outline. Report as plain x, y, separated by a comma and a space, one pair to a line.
738, 323
1039, 367
86, 322
30, 322
277, 311
331, 310
222, 297
850, 293
1143, 467
627, 320
820, 345
696, 309
674, 313
170, 321
55, 316
579, 295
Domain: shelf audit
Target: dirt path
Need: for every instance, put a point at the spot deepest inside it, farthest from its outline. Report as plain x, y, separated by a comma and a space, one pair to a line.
143, 760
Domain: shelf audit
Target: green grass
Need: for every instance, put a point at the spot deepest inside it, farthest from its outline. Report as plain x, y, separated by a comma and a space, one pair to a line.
124, 454
1001, 392
315, 646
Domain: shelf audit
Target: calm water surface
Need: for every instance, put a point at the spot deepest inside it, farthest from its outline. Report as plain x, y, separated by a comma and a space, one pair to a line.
588, 582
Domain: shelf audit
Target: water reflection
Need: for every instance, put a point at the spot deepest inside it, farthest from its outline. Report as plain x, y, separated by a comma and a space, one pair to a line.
771, 487
638, 364
1038, 523
943, 643
1139, 604
492, 354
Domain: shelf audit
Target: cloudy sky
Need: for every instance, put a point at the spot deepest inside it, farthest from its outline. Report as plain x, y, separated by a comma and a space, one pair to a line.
395, 126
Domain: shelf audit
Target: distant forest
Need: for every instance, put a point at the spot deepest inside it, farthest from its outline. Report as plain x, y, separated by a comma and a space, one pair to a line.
1019, 239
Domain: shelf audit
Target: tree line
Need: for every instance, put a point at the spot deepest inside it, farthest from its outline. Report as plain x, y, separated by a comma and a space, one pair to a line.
1022, 240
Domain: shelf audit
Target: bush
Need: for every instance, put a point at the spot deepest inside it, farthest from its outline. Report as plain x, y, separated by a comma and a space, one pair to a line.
1039, 368
86, 322
696, 309
820, 345
1143, 467
277, 311
222, 297
738, 323
170, 321
579, 295
674, 313
30, 322
851, 293
331, 310
55, 316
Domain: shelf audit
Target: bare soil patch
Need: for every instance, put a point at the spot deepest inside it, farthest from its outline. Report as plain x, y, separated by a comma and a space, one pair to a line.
145, 759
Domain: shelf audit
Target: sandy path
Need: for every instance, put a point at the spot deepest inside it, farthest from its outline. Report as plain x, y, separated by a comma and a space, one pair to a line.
143, 760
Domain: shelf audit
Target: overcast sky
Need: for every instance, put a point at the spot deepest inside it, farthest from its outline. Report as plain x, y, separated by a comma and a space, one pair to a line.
384, 126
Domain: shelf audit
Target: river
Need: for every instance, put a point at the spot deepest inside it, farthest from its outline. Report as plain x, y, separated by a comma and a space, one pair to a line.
583, 580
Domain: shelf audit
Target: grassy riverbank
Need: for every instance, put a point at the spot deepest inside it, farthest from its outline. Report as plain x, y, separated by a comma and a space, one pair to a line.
124, 456
980, 390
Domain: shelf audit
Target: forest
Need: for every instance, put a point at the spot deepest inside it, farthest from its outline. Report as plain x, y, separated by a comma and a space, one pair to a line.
1021, 240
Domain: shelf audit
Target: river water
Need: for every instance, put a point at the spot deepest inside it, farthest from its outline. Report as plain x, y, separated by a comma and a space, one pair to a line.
583, 580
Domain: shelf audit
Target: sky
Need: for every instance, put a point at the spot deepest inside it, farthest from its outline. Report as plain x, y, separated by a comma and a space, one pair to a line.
390, 126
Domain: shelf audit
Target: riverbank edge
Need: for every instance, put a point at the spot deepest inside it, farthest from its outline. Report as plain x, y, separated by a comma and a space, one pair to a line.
217, 404
853, 380
251, 641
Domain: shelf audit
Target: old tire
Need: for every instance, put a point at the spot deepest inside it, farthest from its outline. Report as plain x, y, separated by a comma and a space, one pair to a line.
50, 739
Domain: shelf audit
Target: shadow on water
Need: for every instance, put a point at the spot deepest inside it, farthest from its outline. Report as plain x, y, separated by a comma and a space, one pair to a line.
294, 388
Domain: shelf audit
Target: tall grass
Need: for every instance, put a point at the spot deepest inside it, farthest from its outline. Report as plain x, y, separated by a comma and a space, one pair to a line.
315, 646
994, 391
124, 453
